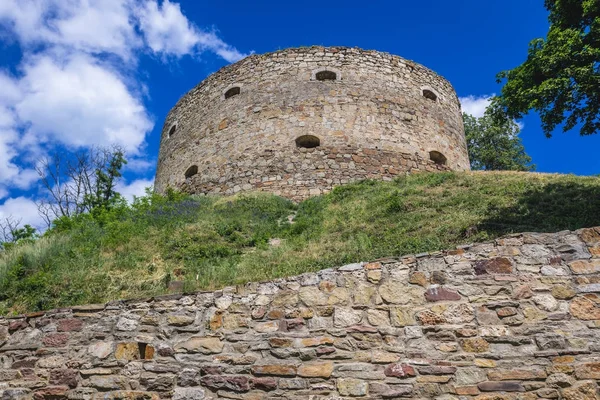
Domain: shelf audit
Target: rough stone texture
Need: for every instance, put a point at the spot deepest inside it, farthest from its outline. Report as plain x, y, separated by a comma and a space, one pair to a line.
493, 331
372, 122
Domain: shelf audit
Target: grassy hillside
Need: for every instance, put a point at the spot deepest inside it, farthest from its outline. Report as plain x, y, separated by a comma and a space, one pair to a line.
210, 242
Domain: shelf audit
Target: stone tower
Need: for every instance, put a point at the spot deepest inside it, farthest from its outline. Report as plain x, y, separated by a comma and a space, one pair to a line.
299, 121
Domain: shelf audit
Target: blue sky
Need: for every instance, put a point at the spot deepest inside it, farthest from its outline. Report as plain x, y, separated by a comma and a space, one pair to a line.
79, 73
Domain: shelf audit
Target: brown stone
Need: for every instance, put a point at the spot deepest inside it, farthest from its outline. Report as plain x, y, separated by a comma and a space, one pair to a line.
428, 317
506, 312
433, 379
285, 298
216, 321
274, 369
402, 316
467, 390
587, 390
484, 363
373, 266
588, 370
316, 370
223, 124
475, 345
499, 265
586, 307
418, 278
465, 332
590, 235
441, 294
127, 395
56, 339
522, 292
64, 377
275, 314
266, 383
562, 292
399, 370
180, 319
316, 341
127, 351
14, 326
69, 324
580, 267
236, 383
516, 374
436, 370
495, 396
503, 386
281, 342
51, 393
200, 344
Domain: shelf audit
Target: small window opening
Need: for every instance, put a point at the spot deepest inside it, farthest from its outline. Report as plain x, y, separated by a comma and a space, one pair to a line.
191, 171
234, 91
326, 76
172, 130
437, 157
428, 94
308, 141
146, 351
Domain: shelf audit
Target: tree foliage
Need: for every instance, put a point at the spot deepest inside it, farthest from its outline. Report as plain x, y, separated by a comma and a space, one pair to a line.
11, 234
80, 183
494, 144
561, 77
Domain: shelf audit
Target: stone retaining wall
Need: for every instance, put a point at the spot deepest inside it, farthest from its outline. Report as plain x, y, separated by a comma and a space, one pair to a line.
518, 318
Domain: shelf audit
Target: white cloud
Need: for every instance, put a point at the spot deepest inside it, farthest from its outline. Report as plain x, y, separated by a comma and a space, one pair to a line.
135, 188
167, 31
110, 27
97, 26
140, 165
23, 209
475, 105
80, 103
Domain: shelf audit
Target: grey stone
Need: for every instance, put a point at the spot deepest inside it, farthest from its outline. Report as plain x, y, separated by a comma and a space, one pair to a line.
189, 394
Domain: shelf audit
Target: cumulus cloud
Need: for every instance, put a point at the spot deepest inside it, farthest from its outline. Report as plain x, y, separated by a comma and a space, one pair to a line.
136, 188
111, 27
475, 105
23, 209
80, 103
167, 31
90, 26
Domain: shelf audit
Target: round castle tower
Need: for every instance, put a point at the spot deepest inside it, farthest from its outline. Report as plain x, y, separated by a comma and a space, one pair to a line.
300, 121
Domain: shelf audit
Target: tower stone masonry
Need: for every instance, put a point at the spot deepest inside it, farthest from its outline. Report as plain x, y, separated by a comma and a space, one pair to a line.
300, 121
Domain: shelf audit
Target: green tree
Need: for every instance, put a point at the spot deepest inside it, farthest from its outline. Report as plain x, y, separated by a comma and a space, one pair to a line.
561, 77
11, 234
104, 194
80, 183
494, 144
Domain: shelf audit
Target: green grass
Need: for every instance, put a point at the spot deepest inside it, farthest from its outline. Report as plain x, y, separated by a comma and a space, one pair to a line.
210, 242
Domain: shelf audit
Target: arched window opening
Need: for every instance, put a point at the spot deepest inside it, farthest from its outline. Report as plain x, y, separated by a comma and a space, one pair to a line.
326, 76
191, 171
234, 91
172, 130
437, 157
428, 94
308, 141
